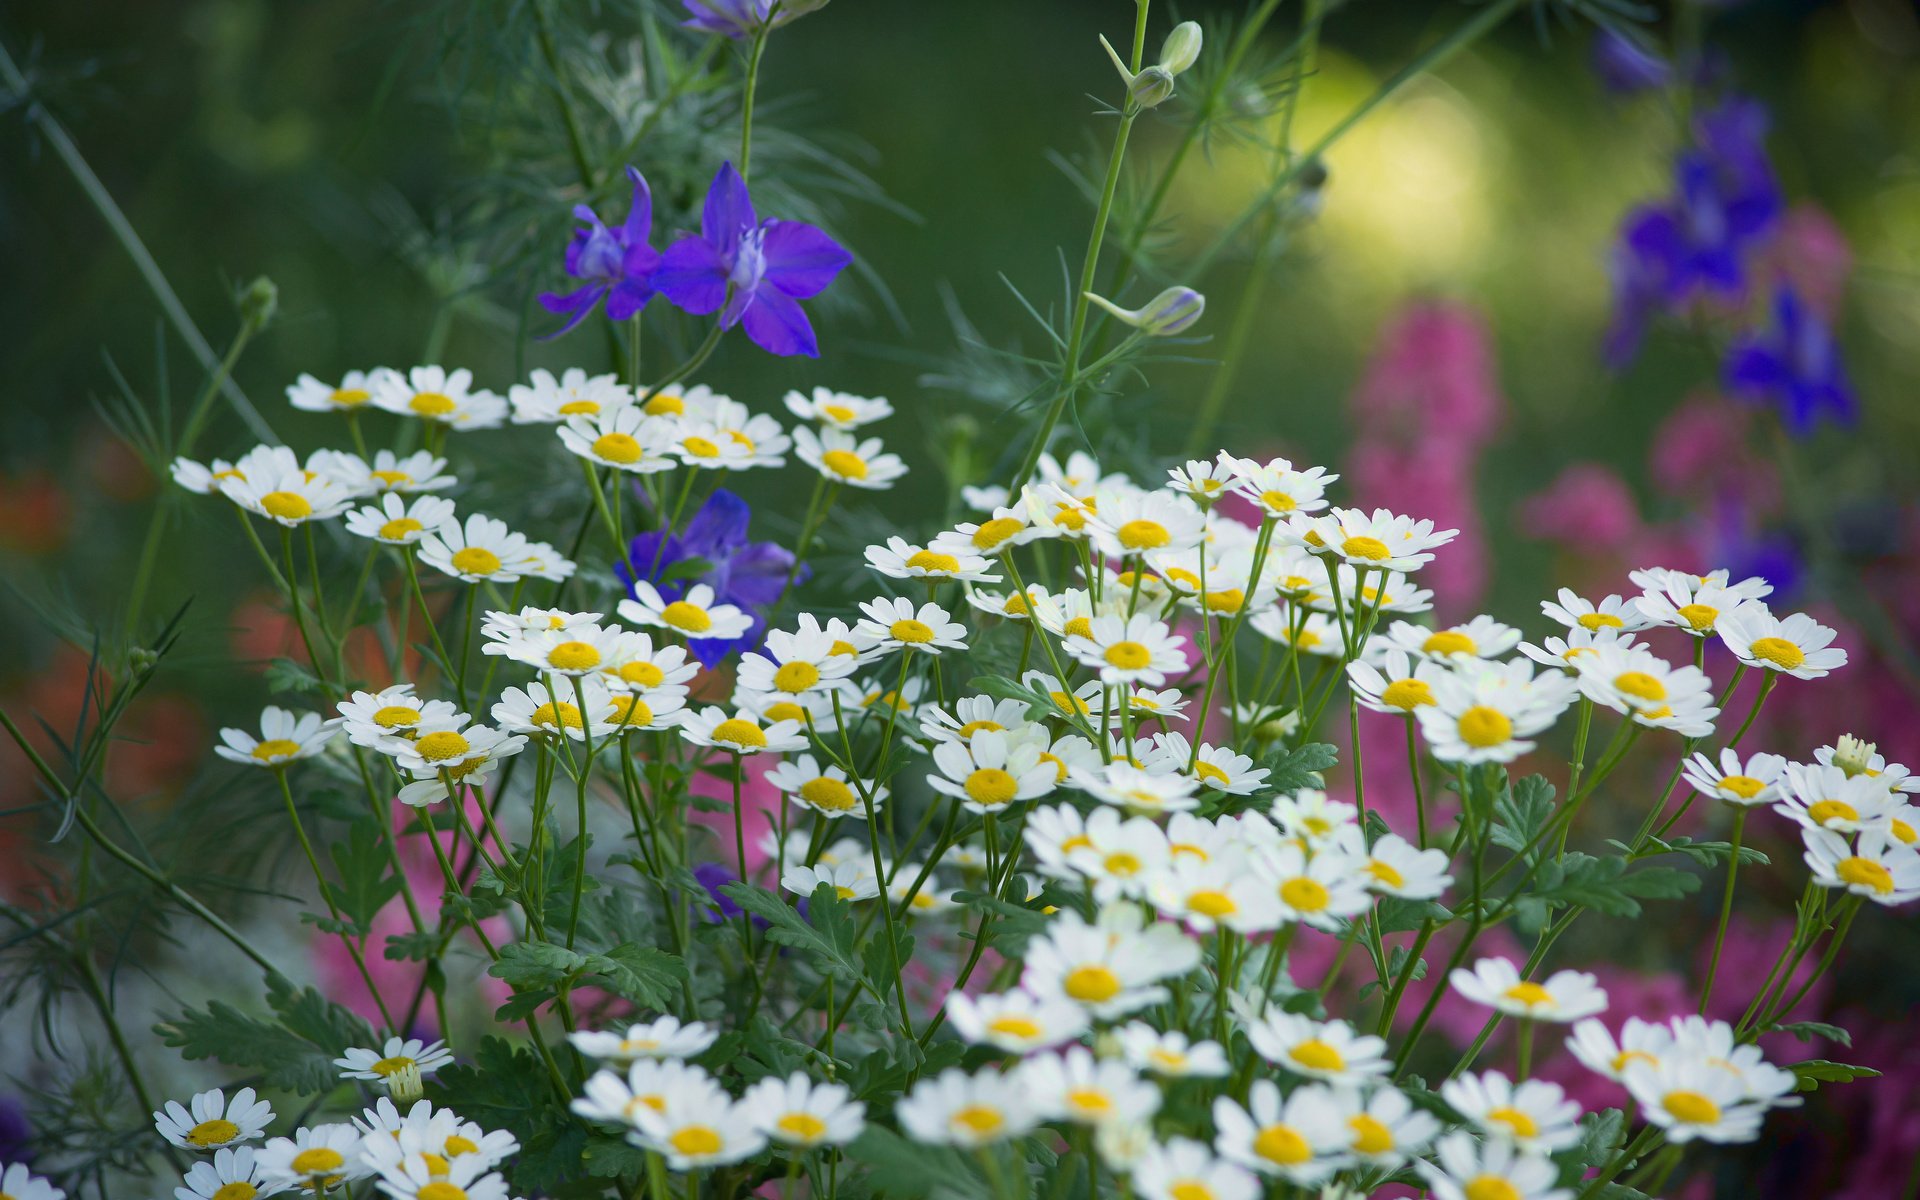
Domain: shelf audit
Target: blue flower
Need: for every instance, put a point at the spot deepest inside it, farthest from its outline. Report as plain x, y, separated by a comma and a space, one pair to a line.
1794, 366
1625, 67
617, 264
754, 272
743, 18
749, 575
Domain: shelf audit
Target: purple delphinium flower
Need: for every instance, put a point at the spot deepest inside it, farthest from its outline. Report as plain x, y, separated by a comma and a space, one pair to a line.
617, 264
1792, 365
742, 18
748, 575
754, 272
1625, 67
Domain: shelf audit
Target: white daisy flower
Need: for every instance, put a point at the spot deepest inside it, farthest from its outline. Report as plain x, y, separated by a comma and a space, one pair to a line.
1613, 612
1325, 1050
1318, 634
1075, 1087
1110, 968
1005, 529
740, 732
927, 900
693, 615
1218, 768
1278, 490
542, 561
436, 394
1795, 645
1203, 481
1648, 689
397, 522
1157, 705
1378, 540
1135, 789
1171, 1055
697, 1126
838, 410
1564, 997
1464, 1169
373, 718
1757, 780
795, 663
1204, 896
395, 1057
663, 1037
1137, 649
1311, 817
209, 1120
851, 880
973, 715
1384, 1129
1299, 1140
841, 458
1393, 866
1133, 522
1322, 890
1825, 798
419, 1177
1686, 603
968, 1111
1600, 1052
1487, 712
900, 559
544, 400
797, 1111
990, 772
1857, 757
442, 757
1117, 855
1660, 579
619, 1099
351, 395
1562, 653
287, 494
1013, 606
1533, 1115
697, 403
623, 439
821, 789
284, 738
482, 548
315, 1159
1882, 869
1016, 1022
1183, 1169
232, 1175
894, 623
1690, 1099
1482, 637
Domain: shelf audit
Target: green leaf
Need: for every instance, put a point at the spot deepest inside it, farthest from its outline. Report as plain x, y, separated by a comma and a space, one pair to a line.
642, 974
1014, 925
1521, 812
507, 1088
903, 1170
1707, 854
1300, 767
536, 965
1398, 914
285, 675
1807, 1031
294, 1053
1600, 1135
829, 939
416, 947
1605, 886
1816, 1071
364, 887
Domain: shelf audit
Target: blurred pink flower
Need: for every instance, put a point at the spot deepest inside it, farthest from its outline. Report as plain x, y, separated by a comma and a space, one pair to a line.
1588, 509
1431, 380
1811, 253
1698, 445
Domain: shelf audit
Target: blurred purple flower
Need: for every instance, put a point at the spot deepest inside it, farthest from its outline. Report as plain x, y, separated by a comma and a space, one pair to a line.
617, 264
742, 18
1625, 67
753, 272
749, 575
1793, 366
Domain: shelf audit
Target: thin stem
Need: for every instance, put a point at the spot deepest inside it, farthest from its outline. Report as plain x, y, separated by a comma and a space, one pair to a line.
1726, 907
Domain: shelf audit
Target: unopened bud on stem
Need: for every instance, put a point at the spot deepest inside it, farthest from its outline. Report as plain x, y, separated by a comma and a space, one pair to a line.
1171, 312
1181, 49
1145, 88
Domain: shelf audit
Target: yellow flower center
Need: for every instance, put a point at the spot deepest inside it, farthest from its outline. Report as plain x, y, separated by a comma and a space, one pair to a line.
1015, 605
1190, 1189
456, 1145
1691, 1108
288, 506
1143, 534
967, 731
1824, 811
701, 447
1128, 656
802, 1127
217, 1132
1641, 685
1370, 1135
642, 674
397, 529
1528, 993
555, 715
696, 1141
1699, 617
1122, 864
844, 463
274, 748
1206, 772
1744, 786
1594, 621
1227, 600
738, 732
1385, 874
579, 408
632, 710
1490, 1187
1090, 1101
1407, 694
978, 1120
1305, 895
666, 404
391, 1066
239, 1189
1078, 627
1903, 832
431, 404
828, 794
1621, 1059
1093, 983
476, 560
796, 676
1864, 872
442, 745
689, 618
1482, 727
1783, 654
1316, 1055
928, 560
617, 448
573, 656
1212, 904
1449, 641
1278, 501
1023, 1029
991, 787
1521, 1124
912, 631
1307, 640
317, 1160
1282, 1144
992, 533
350, 397
440, 1189
1370, 548
1067, 703
837, 412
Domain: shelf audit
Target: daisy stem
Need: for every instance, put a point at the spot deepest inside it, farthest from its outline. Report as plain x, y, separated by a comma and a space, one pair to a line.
1851, 908
1767, 683
296, 609
580, 809
599, 495
319, 600
426, 614
1391, 1005
1786, 952
1228, 637
1413, 772
1524, 1050
326, 897
466, 644
1726, 906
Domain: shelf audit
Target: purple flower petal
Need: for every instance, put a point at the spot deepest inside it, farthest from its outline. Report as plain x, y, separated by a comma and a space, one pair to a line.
692, 275
802, 260
728, 212
640, 216
776, 323
719, 528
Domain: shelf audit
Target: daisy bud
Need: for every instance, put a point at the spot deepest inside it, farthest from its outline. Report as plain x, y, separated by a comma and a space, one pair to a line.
405, 1084
1852, 755
1171, 312
258, 302
1182, 47
1145, 89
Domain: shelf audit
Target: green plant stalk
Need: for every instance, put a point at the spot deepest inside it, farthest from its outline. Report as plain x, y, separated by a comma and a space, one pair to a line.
326, 897
1726, 907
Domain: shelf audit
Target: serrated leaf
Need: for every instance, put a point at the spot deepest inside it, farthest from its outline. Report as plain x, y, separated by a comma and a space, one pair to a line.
642, 974
911, 1171
285, 675
505, 1087
1520, 812
1816, 1071
826, 934
1014, 925
364, 887
295, 1052
1300, 767
526, 965
1807, 1031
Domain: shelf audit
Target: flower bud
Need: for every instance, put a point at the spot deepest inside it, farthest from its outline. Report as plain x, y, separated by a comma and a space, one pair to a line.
1852, 755
258, 302
1182, 47
1171, 312
1151, 87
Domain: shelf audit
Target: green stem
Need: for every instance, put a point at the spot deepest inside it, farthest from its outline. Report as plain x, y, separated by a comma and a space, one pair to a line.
1726, 907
